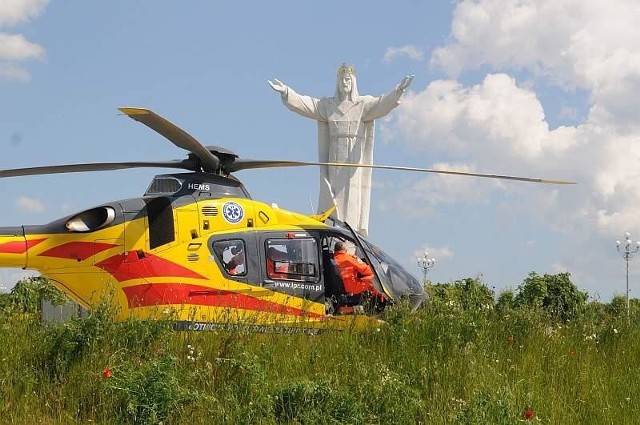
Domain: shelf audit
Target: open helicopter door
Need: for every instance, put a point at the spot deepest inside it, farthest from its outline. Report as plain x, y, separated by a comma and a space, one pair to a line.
290, 264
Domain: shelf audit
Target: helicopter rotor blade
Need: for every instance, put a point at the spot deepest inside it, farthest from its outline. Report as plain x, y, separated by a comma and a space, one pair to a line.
243, 164
174, 134
97, 166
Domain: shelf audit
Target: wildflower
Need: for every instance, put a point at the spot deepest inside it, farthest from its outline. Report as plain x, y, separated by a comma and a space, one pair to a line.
615, 331
573, 353
106, 373
510, 339
529, 414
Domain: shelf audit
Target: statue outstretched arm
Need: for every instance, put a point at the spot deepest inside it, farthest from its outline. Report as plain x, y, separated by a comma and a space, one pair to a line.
405, 82
380, 106
306, 106
277, 85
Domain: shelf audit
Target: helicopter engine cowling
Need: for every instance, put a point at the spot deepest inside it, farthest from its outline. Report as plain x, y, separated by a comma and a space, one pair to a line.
91, 220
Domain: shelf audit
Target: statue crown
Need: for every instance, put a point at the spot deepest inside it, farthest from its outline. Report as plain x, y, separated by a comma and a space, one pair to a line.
346, 69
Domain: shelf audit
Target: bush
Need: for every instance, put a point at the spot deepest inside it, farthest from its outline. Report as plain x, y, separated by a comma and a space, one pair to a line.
556, 294
26, 295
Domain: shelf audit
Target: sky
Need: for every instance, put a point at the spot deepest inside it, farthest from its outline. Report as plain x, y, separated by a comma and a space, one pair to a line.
538, 88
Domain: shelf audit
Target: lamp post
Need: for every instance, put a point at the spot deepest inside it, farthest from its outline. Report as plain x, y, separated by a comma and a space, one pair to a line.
425, 263
627, 252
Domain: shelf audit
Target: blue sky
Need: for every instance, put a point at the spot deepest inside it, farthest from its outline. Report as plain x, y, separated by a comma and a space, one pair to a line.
538, 88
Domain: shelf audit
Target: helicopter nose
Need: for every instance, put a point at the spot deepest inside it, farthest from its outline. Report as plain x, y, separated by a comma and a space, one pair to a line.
416, 300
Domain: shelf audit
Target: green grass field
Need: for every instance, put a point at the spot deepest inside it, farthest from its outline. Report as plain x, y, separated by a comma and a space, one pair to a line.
450, 362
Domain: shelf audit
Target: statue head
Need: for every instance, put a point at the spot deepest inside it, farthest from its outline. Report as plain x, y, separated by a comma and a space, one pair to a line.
346, 87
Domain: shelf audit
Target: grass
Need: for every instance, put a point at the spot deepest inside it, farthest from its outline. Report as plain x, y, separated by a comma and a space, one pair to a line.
439, 365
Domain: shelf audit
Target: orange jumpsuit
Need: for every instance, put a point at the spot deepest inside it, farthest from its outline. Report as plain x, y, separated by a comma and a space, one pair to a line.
356, 275
277, 267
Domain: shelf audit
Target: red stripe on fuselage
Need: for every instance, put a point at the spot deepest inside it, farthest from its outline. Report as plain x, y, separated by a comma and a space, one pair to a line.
184, 294
134, 265
18, 247
77, 250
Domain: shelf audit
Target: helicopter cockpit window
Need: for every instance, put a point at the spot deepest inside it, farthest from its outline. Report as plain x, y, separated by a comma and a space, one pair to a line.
399, 281
231, 255
292, 259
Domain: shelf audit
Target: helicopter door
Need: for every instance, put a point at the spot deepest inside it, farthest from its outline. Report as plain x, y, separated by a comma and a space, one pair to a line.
290, 264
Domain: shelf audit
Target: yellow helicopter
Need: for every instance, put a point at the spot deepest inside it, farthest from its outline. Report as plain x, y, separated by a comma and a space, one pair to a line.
196, 250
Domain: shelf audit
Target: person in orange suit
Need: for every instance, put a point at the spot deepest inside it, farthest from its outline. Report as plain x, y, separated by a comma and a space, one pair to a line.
356, 275
277, 264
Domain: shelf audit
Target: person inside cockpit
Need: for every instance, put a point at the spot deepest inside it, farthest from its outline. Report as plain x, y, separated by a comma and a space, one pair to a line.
356, 276
277, 263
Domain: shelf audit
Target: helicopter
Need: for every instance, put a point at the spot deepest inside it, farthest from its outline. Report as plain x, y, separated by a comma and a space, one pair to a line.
196, 250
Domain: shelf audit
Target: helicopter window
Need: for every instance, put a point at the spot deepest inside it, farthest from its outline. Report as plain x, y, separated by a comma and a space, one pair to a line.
231, 254
400, 281
292, 259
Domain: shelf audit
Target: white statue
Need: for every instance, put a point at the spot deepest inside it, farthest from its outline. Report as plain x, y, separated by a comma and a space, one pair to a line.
345, 134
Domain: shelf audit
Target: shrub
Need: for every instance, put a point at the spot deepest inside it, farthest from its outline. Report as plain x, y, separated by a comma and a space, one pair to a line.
556, 294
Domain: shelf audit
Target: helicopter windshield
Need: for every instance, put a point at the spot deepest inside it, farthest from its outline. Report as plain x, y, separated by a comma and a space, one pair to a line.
395, 278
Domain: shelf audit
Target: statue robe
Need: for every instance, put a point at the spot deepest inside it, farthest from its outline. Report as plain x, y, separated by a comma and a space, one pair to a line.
345, 134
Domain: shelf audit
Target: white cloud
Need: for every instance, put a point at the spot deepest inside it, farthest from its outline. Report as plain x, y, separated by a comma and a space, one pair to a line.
500, 125
15, 48
12, 72
497, 112
410, 51
569, 42
16, 11
437, 253
29, 205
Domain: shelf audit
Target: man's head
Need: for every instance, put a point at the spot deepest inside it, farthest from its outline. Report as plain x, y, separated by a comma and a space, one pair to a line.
339, 246
346, 83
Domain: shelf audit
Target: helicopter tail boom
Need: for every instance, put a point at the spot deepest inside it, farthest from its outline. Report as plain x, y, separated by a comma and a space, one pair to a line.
13, 247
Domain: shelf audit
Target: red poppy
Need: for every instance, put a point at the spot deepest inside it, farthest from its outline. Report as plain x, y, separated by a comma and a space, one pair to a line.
510, 339
528, 414
573, 353
106, 373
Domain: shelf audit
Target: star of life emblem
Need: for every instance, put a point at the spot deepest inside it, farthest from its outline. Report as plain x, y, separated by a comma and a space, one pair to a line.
232, 212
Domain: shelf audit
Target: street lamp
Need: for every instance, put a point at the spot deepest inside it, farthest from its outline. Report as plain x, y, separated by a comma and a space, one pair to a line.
627, 251
425, 263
